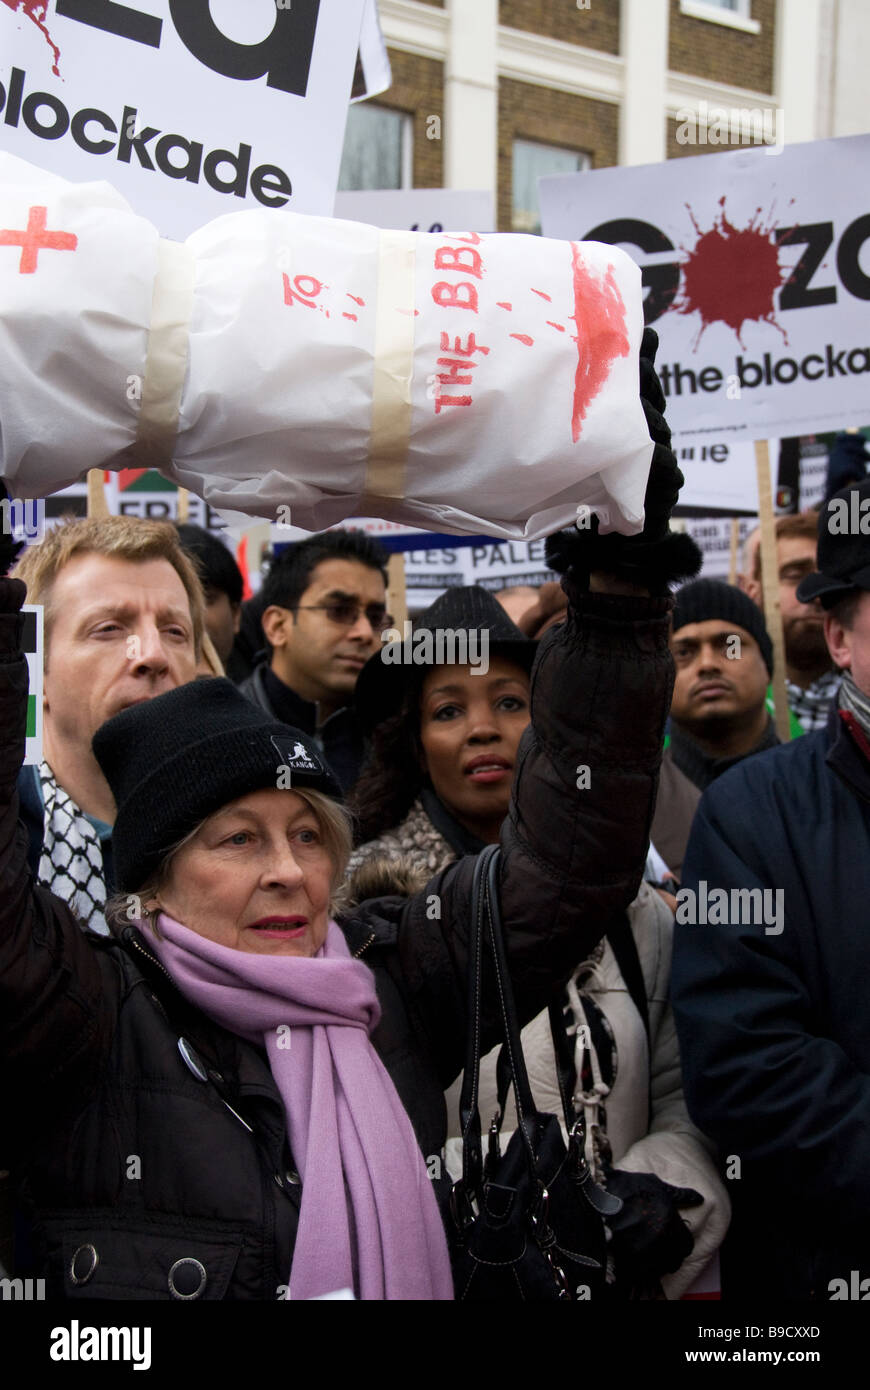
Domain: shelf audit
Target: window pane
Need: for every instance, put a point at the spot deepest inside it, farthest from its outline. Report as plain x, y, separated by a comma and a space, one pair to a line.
373, 148
533, 162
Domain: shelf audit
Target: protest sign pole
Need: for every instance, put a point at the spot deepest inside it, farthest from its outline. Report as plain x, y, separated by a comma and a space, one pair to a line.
396, 600
97, 504
182, 506
732, 563
770, 588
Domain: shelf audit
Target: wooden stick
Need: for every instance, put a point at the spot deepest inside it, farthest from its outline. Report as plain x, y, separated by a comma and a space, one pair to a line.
770, 588
97, 504
182, 505
735, 537
396, 601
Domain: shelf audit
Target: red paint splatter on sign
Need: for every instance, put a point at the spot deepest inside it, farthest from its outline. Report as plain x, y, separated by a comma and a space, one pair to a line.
543, 294
356, 299
560, 326
599, 313
351, 316
504, 304
732, 274
409, 313
36, 10
524, 338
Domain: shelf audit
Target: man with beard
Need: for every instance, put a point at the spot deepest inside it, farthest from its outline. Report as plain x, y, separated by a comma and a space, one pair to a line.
724, 661
811, 678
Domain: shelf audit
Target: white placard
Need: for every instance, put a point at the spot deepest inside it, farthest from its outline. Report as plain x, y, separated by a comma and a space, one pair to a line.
33, 650
190, 110
757, 276
419, 209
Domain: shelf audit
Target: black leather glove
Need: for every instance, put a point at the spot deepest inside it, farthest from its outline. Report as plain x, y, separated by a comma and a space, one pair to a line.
9, 549
648, 1237
657, 556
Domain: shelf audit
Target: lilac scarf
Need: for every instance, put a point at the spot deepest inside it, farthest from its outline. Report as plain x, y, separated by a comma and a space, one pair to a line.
368, 1220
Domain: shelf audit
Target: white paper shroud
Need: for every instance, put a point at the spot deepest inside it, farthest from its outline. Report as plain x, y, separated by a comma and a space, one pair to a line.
280, 360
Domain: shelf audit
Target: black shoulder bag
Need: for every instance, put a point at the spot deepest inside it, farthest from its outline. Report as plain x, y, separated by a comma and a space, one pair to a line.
527, 1225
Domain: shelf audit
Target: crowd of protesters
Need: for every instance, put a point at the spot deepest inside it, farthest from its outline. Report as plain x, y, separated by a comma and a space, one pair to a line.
201, 861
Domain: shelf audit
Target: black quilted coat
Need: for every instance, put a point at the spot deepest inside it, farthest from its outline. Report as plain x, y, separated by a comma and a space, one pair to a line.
157, 1168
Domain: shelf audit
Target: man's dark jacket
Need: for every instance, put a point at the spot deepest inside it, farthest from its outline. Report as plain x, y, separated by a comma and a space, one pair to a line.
128, 1154
774, 1028
340, 736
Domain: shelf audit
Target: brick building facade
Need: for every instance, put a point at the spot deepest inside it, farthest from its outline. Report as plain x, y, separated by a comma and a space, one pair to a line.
603, 81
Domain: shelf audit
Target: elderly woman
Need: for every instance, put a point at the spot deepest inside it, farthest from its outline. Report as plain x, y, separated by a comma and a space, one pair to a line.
239, 1091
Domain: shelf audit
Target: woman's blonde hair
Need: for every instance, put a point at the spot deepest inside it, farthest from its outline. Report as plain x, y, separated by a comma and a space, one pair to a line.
333, 819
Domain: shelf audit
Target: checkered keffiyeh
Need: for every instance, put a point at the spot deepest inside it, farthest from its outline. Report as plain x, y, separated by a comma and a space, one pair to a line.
810, 707
71, 864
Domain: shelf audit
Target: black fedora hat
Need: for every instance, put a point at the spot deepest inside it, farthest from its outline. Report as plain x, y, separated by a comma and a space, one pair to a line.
843, 554
403, 661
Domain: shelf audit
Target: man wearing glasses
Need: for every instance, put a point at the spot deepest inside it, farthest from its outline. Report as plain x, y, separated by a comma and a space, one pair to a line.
325, 609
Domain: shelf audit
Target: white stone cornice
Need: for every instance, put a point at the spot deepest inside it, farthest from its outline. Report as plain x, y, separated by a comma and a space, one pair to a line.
414, 28
566, 67
685, 90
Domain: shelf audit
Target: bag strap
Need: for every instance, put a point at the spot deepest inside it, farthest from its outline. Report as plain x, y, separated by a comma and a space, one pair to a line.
527, 1113
486, 918
469, 1115
624, 948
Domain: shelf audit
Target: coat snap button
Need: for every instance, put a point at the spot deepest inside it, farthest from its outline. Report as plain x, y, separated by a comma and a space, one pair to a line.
293, 1177
187, 1279
192, 1060
83, 1264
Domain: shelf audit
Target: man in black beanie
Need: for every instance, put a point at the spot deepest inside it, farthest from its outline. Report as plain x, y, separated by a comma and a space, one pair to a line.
724, 661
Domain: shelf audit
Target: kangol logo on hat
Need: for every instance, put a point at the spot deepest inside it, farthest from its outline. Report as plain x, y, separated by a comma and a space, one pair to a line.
295, 755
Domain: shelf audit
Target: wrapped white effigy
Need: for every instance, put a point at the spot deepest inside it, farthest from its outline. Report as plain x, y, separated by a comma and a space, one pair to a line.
462, 383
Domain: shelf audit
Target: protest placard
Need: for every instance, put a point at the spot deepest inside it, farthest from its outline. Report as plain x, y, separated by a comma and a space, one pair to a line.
419, 209
190, 110
32, 644
755, 275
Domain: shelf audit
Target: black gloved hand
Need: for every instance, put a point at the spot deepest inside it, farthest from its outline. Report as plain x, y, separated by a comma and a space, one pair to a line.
648, 1237
657, 555
9, 549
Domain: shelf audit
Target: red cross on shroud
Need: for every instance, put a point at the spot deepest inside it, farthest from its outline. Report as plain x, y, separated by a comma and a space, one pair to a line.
35, 239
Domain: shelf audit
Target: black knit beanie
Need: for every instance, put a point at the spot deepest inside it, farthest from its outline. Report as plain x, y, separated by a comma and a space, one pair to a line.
176, 759
706, 599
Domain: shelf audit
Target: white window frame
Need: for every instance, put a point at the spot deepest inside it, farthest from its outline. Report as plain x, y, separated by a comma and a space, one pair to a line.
740, 18
583, 156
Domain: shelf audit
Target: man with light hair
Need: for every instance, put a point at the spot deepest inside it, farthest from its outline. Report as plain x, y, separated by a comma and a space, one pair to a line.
123, 623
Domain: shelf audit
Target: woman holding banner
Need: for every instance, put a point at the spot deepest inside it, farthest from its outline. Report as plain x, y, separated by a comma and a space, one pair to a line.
236, 1094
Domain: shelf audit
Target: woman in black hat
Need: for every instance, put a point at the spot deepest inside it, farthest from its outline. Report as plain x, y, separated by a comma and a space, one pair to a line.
239, 1092
419, 798
444, 735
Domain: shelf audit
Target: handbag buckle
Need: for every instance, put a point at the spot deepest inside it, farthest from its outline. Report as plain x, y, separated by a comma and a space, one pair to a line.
545, 1237
461, 1208
493, 1147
